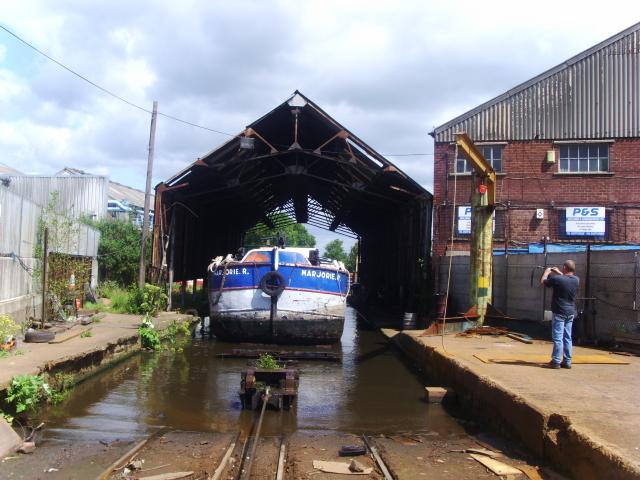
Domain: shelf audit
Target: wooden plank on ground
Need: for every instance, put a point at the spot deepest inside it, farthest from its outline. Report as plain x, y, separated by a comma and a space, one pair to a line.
495, 466
531, 472
389, 332
338, 467
64, 338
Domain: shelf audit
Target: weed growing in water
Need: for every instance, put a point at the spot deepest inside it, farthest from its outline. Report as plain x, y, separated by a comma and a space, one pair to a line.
268, 362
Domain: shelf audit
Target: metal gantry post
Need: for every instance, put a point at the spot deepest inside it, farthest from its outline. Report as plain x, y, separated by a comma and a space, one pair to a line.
481, 259
483, 201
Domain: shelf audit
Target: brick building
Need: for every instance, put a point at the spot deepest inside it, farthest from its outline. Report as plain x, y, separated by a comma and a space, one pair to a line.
566, 148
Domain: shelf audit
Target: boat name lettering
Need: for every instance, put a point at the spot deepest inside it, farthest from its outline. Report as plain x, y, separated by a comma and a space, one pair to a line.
232, 271
318, 274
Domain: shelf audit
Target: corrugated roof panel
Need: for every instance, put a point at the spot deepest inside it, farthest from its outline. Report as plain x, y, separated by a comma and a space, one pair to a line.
595, 94
82, 195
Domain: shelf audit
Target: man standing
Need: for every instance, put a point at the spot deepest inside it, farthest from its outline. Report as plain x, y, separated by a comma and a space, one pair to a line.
565, 285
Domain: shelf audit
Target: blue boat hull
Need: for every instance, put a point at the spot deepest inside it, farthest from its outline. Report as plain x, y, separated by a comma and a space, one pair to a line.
309, 310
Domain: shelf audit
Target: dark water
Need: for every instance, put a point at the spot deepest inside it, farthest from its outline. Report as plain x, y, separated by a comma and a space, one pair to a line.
371, 391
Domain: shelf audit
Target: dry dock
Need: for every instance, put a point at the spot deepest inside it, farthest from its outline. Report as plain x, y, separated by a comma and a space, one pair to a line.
585, 420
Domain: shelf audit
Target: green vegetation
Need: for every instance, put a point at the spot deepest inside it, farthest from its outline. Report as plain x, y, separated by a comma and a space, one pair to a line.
67, 274
335, 251
177, 335
268, 362
11, 353
296, 234
86, 334
147, 301
119, 250
8, 418
352, 258
8, 328
149, 337
26, 392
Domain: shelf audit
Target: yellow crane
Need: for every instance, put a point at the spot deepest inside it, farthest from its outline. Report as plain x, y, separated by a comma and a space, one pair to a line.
483, 204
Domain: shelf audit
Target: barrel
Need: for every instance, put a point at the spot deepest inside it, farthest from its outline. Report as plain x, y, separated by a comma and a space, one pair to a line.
409, 321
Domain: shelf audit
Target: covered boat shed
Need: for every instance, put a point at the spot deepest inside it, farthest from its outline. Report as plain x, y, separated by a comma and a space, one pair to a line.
298, 160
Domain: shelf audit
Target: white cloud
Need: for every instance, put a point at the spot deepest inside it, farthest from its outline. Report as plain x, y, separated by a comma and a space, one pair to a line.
389, 71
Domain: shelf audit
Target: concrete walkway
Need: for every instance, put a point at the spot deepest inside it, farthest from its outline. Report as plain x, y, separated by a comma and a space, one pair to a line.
113, 336
585, 420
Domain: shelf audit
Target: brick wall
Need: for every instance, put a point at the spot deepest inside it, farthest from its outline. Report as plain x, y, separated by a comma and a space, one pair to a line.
528, 183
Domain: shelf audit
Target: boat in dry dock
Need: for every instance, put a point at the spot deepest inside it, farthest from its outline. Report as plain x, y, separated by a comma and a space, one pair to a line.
278, 295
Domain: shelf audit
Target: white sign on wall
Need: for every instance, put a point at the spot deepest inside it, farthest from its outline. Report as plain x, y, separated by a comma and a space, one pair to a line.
464, 220
585, 221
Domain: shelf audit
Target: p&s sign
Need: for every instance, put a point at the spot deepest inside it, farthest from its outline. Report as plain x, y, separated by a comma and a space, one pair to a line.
586, 221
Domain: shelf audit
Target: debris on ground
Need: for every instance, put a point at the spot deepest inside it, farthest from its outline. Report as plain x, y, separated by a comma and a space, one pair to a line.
352, 450
27, 447
480, 451
356, 466
499, 468
339, 467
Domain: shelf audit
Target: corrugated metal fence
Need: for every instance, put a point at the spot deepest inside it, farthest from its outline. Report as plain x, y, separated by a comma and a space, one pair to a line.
18, 236
609, 294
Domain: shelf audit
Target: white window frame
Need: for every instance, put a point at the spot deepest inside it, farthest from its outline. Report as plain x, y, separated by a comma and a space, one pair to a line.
491, 147
584, 157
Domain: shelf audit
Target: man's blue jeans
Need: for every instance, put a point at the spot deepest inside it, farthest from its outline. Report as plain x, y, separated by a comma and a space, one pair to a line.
561, 336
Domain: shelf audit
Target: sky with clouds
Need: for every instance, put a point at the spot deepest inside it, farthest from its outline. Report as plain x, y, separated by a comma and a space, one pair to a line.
388, 71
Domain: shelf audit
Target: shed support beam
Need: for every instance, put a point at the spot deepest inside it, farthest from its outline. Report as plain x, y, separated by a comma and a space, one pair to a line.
301, 208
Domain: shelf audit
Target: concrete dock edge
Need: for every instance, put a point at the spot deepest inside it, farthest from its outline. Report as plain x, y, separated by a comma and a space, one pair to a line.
548, 435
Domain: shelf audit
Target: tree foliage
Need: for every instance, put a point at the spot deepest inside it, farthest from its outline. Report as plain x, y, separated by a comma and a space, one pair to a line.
119, 250
296, 235
335, 251
352, 258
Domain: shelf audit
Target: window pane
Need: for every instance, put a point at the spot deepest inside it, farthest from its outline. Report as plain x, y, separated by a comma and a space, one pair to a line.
593, 164
497, 165
564, 165
604, 151
604, 164
573, 164
573, 151
564, 151
583, 164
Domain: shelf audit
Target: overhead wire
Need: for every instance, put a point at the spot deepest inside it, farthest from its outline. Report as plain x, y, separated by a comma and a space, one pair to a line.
146, 110
109, 92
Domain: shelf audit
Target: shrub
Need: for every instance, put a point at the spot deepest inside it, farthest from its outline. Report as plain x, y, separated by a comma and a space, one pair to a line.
26, 392
149, 337
268, 362
178, 329
8, 328
147, 301
106, 288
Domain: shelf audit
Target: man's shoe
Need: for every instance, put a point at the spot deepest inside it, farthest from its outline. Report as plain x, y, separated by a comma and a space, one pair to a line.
552, 365
565, 365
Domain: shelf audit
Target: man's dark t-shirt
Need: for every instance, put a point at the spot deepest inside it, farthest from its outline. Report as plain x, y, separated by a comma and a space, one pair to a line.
565, 288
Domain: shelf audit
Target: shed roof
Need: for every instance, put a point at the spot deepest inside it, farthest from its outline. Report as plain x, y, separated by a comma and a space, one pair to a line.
298, 161
595, 94
301, 162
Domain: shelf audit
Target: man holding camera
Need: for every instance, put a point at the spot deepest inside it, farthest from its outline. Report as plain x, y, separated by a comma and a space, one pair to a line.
565, 286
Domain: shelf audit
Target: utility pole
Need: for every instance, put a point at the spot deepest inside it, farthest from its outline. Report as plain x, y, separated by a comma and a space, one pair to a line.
147, 196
